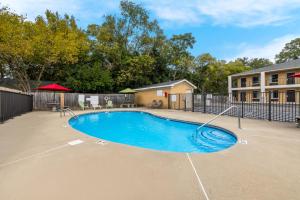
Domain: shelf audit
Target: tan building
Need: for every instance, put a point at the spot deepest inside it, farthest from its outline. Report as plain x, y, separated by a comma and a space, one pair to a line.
275, 80
167, 92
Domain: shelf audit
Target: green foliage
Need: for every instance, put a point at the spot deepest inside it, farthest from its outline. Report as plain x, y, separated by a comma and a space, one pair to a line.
90, 79
30, 49
180, 59
291, 51
126, 50
137, 72
210, 75
255, 63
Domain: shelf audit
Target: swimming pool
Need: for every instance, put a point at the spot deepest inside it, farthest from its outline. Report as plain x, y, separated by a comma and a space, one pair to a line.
145, 130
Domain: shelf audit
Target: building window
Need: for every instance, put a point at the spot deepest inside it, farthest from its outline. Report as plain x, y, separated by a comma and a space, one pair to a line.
255, 95
255, 81
234, 83
243, 82
290, 96
274, 79
243, 96
159, 93
289, 79
274, 95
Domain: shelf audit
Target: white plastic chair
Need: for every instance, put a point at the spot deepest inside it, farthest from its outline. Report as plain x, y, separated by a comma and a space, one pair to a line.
95, 102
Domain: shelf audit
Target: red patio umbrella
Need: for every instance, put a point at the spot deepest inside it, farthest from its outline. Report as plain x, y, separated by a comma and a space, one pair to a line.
53, 87
296, 75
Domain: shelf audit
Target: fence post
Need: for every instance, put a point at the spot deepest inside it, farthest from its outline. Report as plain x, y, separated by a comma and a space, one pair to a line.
204, 102
270, 107
1, 114
168, 101
185, 103
242, 114
298, 103
193, 102
179, 101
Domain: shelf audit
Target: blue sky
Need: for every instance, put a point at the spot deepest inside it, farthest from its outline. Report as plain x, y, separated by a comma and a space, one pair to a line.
225, 28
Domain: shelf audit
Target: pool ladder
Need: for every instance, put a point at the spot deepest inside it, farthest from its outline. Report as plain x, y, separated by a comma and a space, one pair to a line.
68, 110
195, 135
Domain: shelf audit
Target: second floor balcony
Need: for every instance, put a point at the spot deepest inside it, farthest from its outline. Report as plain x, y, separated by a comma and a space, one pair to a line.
270, 81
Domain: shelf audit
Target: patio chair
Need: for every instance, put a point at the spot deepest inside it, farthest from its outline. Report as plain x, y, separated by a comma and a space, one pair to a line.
159, 104
156, 104
153, 104
95, 102
82, 106
133, 105
95, 106
109, 104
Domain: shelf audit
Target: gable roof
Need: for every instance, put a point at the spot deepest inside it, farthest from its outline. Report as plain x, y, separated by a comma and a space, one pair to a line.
293, 64
165, 84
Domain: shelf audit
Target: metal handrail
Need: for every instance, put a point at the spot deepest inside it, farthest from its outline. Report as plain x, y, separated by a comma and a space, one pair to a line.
205, 124
69, 111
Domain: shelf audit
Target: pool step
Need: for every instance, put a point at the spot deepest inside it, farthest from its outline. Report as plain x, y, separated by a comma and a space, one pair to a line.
212, 140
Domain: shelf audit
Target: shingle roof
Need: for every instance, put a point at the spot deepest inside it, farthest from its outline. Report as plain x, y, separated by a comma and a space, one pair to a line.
293, 64
165, 84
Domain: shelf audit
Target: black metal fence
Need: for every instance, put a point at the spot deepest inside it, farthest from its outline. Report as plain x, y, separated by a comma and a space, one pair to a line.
272, 106
14, 104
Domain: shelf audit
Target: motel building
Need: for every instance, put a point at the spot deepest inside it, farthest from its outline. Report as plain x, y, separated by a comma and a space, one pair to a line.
272, 83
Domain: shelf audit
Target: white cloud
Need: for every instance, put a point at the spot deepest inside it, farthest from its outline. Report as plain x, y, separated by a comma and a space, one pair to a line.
245, 13
87, 9
268, 50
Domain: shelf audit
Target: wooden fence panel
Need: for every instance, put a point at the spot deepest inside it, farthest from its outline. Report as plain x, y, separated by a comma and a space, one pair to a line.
42, 99
13, 104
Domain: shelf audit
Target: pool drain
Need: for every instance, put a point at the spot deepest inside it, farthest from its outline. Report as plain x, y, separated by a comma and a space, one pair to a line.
102, 142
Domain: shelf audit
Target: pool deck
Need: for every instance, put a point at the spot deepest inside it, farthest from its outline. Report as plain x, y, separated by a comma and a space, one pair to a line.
37, 163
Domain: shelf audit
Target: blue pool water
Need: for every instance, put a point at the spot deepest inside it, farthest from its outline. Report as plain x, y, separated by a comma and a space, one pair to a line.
148, 131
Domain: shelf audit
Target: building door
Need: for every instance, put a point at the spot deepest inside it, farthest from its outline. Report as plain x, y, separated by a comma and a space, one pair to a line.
290, 96
188, 101
290, 79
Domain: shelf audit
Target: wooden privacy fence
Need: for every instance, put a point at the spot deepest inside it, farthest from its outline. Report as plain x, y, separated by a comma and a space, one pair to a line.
13, 104
41, 100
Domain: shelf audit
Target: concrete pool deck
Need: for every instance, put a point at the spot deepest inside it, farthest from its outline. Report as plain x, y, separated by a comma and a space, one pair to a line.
37, 163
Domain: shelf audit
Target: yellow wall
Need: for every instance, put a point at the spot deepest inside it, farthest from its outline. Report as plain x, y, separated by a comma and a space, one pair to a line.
282, 76
181, 88
281, 94
248, 80
146, 97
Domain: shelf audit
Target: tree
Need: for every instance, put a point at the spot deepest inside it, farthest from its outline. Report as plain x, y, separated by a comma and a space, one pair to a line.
85, 78
126, 50
200, 71
291, 51
179, 58
29, 49
210, 75
255, 63
123, 42
58, 42
137, 72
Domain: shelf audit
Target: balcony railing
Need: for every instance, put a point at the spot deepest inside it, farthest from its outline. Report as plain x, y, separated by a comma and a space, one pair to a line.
279, 81
283, 81
245, 84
